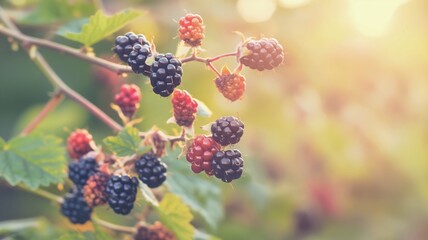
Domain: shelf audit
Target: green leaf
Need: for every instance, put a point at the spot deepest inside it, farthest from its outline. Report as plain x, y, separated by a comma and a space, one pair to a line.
202, 195
126, 143
35, 160
176, 216
101, 26
203, 110
50, 11
148, 194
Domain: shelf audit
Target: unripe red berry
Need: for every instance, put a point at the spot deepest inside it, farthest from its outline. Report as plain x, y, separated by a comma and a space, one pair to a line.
184, 107
231, 85
128, 99
79, 143
191, 29
200, 154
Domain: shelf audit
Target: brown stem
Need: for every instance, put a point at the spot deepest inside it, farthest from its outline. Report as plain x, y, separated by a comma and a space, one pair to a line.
51, 105
112, 226
28, 41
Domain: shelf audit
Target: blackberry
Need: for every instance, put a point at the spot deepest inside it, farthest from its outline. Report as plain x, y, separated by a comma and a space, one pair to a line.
121, 192
79, 143
265, 54
125, 44
191, 29
94, 190
80, 171
166, 74
128, 99
157, 231
75, 208
228, 165
151, 170
227, 130
137, 59
231, 85
184, 107
200, 154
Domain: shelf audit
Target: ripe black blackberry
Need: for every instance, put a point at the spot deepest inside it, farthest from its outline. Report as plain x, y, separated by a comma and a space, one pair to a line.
165, 74
121, 192
228, 165
80, 171
125, 44
75, 207
151, 170
265, 54
227, 130
137, 59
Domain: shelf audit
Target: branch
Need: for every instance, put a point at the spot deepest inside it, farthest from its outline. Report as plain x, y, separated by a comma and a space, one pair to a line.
27, 41
112, 226
51, 105
57, 82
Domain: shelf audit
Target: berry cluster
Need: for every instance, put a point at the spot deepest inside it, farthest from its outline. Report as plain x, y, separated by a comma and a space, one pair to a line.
231, 85
191, 29
262, 54
128, 99
79, 143
184, 107
205, 153
157, 231
121, 193
151, 170
165, 74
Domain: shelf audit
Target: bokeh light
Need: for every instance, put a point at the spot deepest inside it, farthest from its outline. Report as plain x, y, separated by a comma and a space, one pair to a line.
371, 18
256, 10
293, 3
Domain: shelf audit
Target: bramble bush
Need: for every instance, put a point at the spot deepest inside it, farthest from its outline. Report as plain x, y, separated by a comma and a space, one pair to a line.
113, 171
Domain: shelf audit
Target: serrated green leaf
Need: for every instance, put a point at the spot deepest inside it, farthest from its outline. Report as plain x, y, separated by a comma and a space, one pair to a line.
201, 194
101, 26
203, 110
50, 11
34, 160
176, 216
126, 143
148, 194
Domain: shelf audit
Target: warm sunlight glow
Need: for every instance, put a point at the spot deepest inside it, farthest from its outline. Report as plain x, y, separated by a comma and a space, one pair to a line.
293, 3
371, 17
256, 10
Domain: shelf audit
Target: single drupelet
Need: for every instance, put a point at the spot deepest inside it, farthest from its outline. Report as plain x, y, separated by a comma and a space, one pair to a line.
231, 85
75, 208
128, 99
200, 154
262, 54
227, 130
191, 29
184, 107
124, 44
165, 74
80, 171
157, 231
228, 165
151, 170
94, 190
79, 143
121, 192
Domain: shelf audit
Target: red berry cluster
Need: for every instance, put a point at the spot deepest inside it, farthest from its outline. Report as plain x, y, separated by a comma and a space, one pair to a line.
157, 231
79, 143
231, 85
184, 107
191, 29
200, 154
128, 99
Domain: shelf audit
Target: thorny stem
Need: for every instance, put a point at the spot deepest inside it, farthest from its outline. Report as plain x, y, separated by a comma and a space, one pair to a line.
51, 105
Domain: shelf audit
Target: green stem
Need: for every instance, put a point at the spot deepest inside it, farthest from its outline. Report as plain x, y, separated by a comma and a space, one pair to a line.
43, 193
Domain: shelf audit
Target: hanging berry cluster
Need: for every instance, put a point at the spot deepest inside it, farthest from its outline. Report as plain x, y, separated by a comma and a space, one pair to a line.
100, 178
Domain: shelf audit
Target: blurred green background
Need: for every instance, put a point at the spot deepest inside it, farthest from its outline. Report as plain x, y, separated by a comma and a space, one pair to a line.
336, 139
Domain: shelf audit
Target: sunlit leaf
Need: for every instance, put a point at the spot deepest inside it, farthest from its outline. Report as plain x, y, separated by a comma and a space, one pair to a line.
176, 216
203, 109
36, 160
100, 26
126, 143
